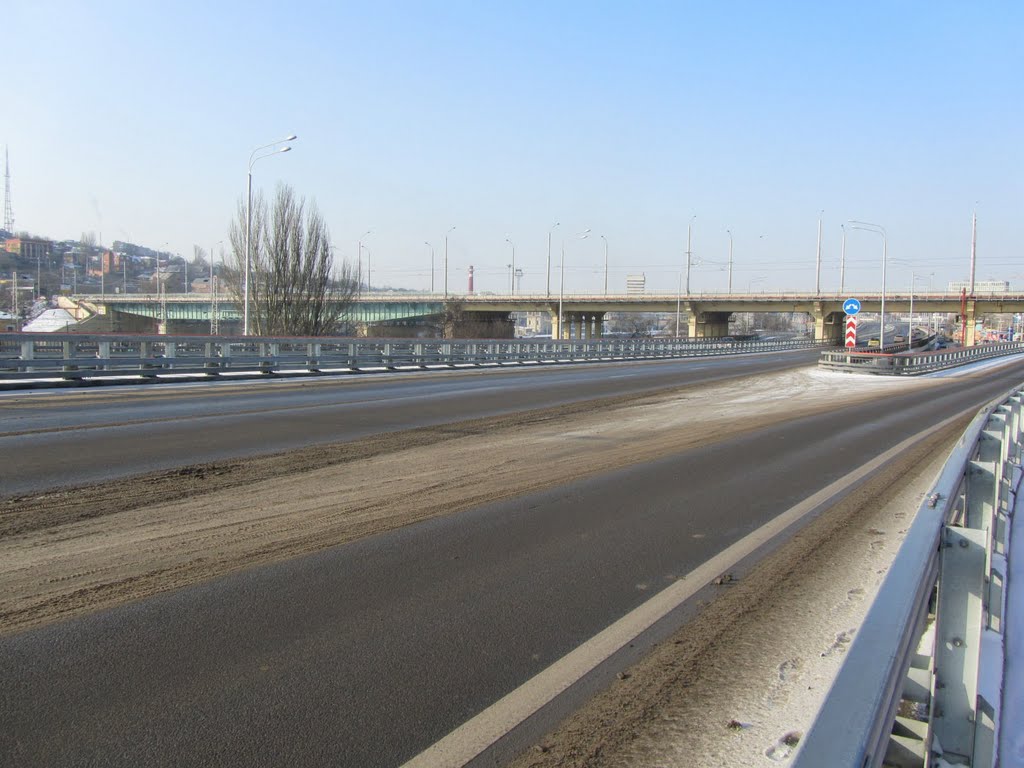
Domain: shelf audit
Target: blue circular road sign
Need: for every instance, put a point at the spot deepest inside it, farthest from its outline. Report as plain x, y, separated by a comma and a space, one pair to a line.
851, 306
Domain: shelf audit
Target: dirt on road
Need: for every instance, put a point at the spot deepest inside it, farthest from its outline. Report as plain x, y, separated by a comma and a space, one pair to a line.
741, 684
72, 551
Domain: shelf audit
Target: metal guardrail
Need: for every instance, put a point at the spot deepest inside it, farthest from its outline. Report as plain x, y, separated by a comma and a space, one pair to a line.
83, 356
894, 702
912, 364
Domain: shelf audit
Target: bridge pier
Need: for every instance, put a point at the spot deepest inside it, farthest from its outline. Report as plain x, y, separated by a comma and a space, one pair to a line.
706, 325
581, 326
969, 319
829, 326
593, 325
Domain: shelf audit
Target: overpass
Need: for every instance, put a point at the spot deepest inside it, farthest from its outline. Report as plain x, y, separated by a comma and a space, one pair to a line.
581, 316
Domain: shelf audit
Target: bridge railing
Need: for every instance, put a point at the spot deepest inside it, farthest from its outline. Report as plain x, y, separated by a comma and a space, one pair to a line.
888, 363
899, 698
83, 356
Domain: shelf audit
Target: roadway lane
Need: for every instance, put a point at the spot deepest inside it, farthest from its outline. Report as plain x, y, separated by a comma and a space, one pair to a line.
365, 654
58, 438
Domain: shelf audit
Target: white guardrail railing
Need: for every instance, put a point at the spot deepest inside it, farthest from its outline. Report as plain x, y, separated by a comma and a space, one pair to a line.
888, 362
83, 356
902, 700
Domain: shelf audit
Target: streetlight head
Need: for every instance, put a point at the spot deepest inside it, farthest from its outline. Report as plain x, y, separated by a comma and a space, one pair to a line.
293, 137
285, 149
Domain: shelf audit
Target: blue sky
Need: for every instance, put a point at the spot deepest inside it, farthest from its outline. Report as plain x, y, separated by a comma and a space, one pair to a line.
136, 120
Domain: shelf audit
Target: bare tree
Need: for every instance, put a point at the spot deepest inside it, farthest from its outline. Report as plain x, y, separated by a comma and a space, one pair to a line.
294, 288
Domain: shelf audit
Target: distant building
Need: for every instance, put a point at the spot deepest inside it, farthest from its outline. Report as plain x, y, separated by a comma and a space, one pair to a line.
29, 247
980, 286
108, 262
9, 323
636, 284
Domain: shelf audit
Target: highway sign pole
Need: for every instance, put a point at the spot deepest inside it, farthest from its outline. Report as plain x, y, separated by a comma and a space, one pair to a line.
851, 307
851, 331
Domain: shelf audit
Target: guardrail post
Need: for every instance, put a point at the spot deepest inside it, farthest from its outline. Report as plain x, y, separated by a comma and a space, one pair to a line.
103, 353
958, 641
268, 350
28, 352
225, 353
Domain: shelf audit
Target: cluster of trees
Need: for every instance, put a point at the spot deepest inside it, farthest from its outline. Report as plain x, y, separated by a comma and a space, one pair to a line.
295, 289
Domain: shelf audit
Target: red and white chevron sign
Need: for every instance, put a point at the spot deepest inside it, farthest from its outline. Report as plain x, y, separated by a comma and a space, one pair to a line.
851, 331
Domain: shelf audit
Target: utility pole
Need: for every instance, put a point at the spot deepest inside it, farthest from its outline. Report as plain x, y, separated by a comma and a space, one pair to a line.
974, 247
817, 267
689, 253
8, 213
842, 262
730, 259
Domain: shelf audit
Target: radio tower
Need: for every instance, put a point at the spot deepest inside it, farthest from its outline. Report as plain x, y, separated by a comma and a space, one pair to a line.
8, 213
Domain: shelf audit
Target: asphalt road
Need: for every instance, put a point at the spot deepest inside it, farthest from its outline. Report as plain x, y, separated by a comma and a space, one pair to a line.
365, 654
51, 438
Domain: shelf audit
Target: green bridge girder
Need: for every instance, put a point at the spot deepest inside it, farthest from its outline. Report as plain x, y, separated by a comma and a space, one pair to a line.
199, 307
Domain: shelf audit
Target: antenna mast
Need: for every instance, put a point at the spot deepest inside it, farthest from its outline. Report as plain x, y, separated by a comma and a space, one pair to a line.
8, 213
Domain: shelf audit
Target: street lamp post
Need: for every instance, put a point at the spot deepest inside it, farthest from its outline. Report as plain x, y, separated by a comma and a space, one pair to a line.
605, 264
689, 252
548, 267
679, 300
359, 261
446, 262
253, 158
512, 268
842, 262
914, 277
561, 280
878, 229
214, 308
817, 261
431, 264
730, 259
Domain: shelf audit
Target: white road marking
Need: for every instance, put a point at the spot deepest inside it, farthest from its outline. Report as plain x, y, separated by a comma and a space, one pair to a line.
472, 738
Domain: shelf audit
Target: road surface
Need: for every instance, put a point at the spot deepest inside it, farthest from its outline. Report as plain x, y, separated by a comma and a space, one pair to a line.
52, 438
365, 654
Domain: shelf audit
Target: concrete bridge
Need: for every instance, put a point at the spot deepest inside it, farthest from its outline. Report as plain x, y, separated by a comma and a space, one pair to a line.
577, 316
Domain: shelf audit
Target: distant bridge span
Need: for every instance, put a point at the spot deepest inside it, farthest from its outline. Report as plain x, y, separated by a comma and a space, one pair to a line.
705, 314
